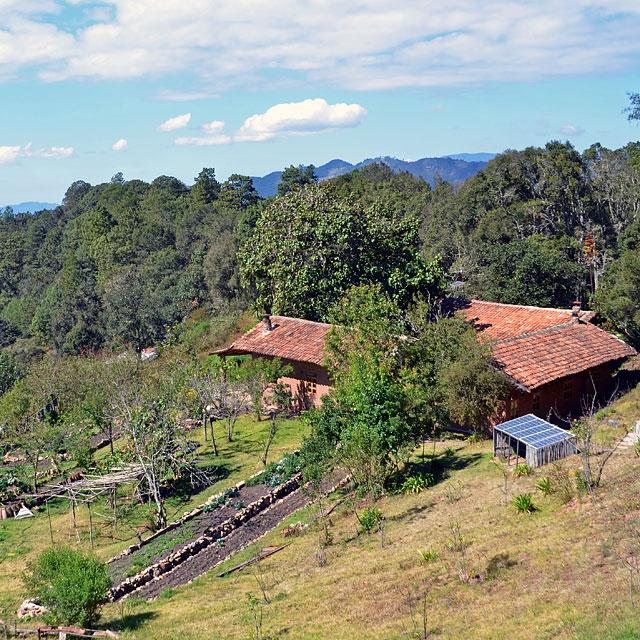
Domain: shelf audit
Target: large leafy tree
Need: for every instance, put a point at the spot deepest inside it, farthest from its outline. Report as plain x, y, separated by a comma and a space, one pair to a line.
10, 372
397, 377
310, 247
363, 421
618, 300
534, 271
633, 110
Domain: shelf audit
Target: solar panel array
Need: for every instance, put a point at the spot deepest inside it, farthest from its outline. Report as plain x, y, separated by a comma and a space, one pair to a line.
533, 431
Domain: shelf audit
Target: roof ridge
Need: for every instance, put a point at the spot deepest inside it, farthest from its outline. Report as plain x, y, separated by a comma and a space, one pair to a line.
526, 306
555, 327
316, 322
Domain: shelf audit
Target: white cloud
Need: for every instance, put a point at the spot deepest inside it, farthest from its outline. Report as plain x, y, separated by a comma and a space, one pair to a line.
9, 154
175, 123
299, 118
214, 135
12, 153
571, 130
120, 145
204, 141
365, 45
184, 96
57, 153
214, 127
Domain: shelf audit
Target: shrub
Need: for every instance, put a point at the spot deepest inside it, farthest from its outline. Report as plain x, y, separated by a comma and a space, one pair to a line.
70, 583
370, 519
276, 473
522, 471
544, 486
523, 503
474, 438
562, 483
417, 483
449, 452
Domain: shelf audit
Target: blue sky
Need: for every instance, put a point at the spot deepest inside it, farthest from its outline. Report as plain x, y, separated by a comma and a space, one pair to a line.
151, 87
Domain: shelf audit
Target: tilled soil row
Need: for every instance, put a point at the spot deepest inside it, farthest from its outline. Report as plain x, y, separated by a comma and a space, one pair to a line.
180, 532
237, 540
234, 542
211, 536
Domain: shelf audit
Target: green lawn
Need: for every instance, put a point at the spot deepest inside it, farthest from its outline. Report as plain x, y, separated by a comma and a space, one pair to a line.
23, 540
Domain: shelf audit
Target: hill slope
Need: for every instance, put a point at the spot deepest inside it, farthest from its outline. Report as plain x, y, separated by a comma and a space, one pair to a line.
553, 573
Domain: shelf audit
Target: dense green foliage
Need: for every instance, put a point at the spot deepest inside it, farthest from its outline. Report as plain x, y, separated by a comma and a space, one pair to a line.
10, 371
398, 376
71, 584
309, 247
516, 231
122, 263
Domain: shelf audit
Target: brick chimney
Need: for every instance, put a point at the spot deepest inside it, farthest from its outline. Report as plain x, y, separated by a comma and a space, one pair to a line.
575, 310
267, 322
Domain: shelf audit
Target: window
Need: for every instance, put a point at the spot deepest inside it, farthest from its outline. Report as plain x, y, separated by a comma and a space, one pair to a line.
514, 407
311, 385
568, 389
535, 404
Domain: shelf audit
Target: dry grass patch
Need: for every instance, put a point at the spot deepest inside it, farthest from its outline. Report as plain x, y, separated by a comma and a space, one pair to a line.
550, 577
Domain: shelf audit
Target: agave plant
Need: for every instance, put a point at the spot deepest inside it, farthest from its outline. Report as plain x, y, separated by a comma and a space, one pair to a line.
426, 555
544, 486
417, 483
522, 470
523, 503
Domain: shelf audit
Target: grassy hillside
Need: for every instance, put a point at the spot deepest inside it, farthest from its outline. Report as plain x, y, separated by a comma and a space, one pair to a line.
554, 573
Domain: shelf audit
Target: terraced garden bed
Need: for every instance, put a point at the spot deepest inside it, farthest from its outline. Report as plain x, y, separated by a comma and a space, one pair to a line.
176, 557
164, 545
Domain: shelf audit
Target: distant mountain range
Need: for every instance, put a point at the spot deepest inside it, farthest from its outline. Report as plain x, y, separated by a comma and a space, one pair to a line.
454, 168
30, 207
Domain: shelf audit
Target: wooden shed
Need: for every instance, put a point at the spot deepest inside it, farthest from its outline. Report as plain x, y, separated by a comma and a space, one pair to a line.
534, 439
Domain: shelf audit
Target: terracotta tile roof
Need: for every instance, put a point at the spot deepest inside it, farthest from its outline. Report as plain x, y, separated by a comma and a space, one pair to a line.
500, 321
536, 345
532, 345
539, 358
289, 338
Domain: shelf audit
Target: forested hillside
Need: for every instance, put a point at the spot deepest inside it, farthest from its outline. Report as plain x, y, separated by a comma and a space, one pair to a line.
119, 263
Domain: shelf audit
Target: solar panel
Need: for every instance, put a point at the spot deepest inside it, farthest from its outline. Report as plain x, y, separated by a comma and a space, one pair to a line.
533, 431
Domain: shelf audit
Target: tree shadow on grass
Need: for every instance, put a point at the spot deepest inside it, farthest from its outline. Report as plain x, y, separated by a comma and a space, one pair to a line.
130, 621
413, 512
183, 488
439, 466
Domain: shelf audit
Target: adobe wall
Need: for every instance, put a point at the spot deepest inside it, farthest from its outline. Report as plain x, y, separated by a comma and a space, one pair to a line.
302, 371
552, 403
